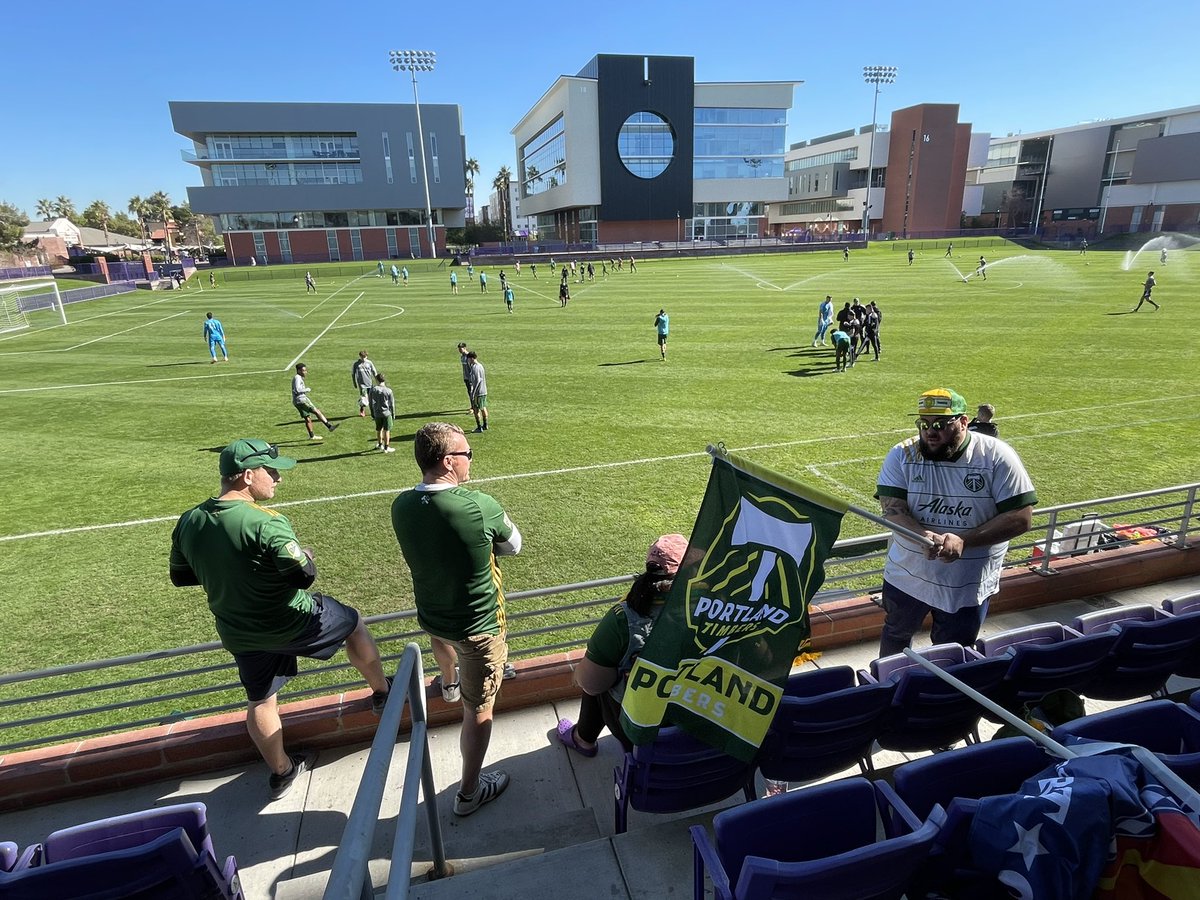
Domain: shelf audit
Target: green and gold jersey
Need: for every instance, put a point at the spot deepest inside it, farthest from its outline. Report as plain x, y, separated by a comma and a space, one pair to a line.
248, 560
447, 539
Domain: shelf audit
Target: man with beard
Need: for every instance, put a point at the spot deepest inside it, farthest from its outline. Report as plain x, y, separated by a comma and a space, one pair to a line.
969, 494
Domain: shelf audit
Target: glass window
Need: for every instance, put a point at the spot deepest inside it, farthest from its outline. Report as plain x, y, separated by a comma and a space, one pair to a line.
543, 160
387, 157
393, 247
285, 246
738, 143
433, 158
646, 144
331, 241
412, 157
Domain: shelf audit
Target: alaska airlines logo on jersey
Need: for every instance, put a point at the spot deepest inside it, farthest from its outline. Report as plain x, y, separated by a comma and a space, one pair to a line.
750, 580
973, 482
939, 507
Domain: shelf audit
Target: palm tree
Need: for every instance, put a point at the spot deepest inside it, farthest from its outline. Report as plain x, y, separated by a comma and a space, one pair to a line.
160, 205
471, 169
140, 210
64, 207
501, 184
97, 213
45, 209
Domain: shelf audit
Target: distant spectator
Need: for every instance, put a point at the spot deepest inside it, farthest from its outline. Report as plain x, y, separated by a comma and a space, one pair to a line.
983, 421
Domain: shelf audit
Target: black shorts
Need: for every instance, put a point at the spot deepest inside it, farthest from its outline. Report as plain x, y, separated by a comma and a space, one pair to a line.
264, 672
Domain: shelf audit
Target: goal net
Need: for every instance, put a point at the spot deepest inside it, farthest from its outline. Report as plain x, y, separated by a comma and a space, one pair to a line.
17, 299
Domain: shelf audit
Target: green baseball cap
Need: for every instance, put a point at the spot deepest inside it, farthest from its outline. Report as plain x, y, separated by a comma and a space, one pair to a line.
941, 402
251, 453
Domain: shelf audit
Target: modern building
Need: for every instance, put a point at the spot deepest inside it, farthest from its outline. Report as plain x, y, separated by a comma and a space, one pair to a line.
633, 149
1134, 173
311, 182
827, 177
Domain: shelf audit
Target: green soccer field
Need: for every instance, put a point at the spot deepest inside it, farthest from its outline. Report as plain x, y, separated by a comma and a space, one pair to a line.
113, 423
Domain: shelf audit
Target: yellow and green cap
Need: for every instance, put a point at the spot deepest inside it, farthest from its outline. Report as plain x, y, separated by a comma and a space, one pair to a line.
941, 402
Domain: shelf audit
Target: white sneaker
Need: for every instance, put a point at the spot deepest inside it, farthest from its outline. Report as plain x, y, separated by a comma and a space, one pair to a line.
491, 786
378, 446
389, 449
315, 437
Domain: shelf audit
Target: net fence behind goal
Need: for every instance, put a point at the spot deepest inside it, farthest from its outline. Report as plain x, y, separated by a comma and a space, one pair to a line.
18, 299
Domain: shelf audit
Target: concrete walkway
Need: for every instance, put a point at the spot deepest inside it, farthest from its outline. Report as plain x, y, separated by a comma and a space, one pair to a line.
553, 826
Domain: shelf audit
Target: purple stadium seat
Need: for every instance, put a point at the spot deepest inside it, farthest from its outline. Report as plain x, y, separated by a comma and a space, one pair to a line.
1151, 646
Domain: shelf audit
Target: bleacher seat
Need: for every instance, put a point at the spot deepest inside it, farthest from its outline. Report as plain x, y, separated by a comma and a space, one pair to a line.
1171, 731
130, 830
1045, 658
166, 868
8, 855
1186, 605
819, 843
825, 723
1152, 644
676, 772
926, 712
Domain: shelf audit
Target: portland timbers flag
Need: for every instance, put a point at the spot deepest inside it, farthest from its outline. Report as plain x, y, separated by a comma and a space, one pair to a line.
719, 655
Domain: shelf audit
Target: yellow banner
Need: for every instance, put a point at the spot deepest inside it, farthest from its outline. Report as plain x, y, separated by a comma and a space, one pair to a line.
713, 689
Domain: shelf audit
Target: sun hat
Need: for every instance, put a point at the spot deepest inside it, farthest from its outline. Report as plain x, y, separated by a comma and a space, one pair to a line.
251, 453
941, 402
667, 552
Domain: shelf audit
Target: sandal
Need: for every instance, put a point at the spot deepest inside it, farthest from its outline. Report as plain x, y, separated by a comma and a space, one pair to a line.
566, 734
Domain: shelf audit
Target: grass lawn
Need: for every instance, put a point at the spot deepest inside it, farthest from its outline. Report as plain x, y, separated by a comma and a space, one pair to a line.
596, 445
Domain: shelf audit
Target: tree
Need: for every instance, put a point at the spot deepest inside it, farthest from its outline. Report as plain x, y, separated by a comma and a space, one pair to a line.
140, 210
501, 185
472, 169
12, 225
160, 206
45, 209
64, 207
119, 223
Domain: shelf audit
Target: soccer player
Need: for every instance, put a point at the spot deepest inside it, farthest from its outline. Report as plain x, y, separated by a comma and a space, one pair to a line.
383, 411
395, 274
477, 389
564, 293
910, 257
1147, 287
508, 297
483, 282
404, 275
464, 358
362, 376
950, 249
454, 282
841, 349
310, 286
662, 325
982, 270
214, 333
380, 274
824, 320
845, 254
304, 405
212, 280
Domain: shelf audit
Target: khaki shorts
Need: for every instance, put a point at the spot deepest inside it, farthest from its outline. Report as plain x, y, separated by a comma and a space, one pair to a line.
481, 659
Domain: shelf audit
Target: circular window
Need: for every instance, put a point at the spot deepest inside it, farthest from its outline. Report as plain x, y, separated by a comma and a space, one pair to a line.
646, 144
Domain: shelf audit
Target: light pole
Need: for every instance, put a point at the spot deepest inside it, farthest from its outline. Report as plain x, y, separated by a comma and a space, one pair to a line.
875, 75
414, 61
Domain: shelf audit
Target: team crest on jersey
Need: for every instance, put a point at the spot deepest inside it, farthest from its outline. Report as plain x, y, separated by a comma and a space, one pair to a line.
974, 482
292, 549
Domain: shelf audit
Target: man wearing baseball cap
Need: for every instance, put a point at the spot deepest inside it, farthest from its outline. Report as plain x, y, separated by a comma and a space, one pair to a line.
969, 494
256, 576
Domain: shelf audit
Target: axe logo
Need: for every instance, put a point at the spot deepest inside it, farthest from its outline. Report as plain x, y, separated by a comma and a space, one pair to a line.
974, 482
750, 580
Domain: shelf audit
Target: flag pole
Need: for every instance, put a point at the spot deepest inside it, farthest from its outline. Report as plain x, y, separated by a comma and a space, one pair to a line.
719, 452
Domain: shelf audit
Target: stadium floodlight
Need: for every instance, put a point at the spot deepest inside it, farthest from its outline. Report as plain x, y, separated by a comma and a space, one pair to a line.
875, 75
414, 61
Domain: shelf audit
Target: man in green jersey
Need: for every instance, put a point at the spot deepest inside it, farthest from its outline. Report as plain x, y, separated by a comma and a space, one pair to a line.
450, 537
256, 575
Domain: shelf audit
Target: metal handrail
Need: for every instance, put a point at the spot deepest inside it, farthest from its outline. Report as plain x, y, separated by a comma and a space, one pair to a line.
855, 568
349, 878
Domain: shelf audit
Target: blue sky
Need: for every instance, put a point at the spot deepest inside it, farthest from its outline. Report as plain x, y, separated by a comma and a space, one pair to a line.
86, 110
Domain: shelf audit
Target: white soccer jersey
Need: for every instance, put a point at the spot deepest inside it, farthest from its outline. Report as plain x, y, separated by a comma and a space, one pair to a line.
955, 495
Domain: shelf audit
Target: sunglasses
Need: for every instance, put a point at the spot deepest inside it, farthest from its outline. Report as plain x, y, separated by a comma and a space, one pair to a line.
466, 453
939, 426
272, 452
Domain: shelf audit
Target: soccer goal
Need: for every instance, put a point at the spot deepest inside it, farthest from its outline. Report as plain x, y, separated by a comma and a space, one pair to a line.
18, 298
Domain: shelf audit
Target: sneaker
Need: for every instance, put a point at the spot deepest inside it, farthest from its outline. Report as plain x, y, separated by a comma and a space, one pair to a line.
566, 736
485, 423
379, 698
315, 437
450, 692
389, 449
478, 430
333, 426
378, 446
510, 671
491, 786
281, 784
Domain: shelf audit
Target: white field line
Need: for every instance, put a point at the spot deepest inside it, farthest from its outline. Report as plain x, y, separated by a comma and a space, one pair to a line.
323, 331
334, 294
566, 471
115, 312
843, 490
118, 333
751, 276
380, 319
72, 387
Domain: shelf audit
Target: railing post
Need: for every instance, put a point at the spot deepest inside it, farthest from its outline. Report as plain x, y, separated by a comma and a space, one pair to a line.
1044, 568
1185, 520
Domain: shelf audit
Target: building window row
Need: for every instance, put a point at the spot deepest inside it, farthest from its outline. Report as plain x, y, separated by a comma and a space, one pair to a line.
823, 159
544, 160
241, 174
360, 218
738, 143
1002, 154
816, 207
282, 146
646, 144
